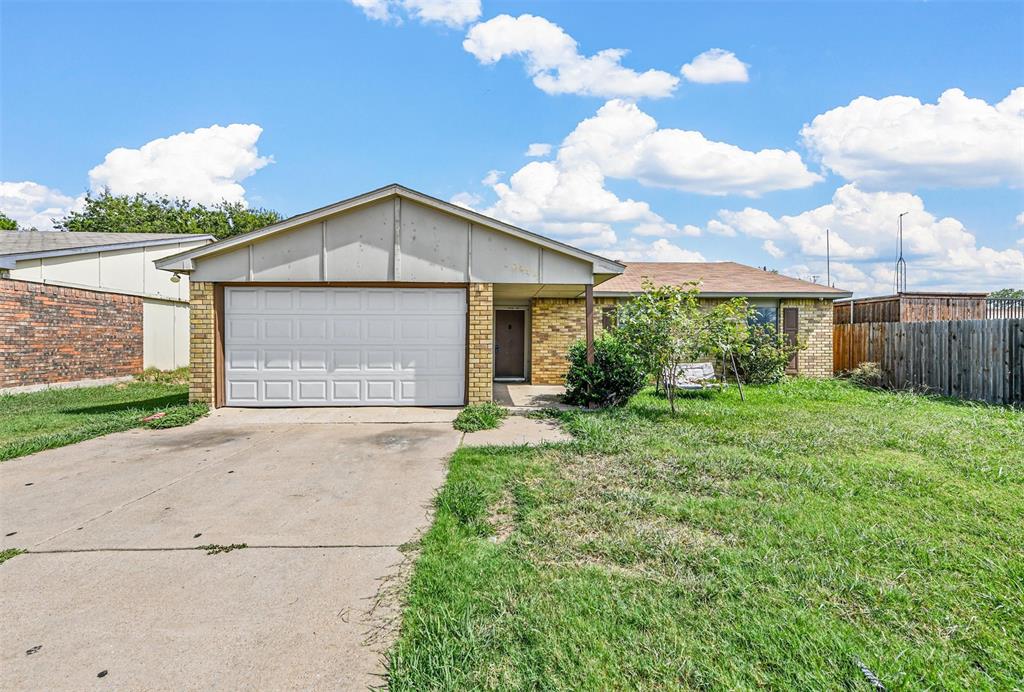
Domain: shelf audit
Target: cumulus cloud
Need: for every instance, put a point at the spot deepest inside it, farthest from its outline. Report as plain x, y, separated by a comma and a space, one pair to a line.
553, 60
715, 66
467, 200
627, 143
772, 249
940, 251
1020, 219
538, 149
452, 13
899, 141
658, 251
35, 206
206, 165
492, 177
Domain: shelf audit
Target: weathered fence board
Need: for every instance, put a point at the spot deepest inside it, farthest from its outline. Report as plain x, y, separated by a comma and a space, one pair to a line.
980, 360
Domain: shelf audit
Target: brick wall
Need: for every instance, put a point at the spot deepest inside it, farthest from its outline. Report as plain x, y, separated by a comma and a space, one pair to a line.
480, 342
815, 331
201, 342
51, 334
555, 323
558, 322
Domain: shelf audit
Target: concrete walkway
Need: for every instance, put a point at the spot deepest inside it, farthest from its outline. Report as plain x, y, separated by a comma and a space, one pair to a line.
518, 430
114, 586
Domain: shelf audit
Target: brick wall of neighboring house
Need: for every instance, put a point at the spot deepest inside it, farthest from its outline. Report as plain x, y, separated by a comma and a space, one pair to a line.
51, 334
815, 331
480, 342
555, 323
201, 342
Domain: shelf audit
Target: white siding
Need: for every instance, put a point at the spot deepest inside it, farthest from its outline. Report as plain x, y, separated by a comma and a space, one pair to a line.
164, 335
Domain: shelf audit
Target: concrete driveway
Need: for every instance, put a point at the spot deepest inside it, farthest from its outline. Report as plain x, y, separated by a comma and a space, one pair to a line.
114, 593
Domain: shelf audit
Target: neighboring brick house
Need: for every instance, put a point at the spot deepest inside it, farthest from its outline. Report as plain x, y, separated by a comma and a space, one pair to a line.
397, 298
76, 308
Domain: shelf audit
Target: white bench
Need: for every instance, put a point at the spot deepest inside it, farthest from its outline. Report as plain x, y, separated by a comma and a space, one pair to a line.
695, 376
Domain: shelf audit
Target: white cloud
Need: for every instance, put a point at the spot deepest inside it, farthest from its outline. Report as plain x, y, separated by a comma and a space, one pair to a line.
452, 13
659, 251
538, 149
206, 165
626, 142
554, 62
897, 140
33, 205
715, 66
492, 177
772, 249
1020, 219
940, 252
468, 200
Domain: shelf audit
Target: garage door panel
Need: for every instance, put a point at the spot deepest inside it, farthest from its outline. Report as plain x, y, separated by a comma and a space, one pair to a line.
344, 346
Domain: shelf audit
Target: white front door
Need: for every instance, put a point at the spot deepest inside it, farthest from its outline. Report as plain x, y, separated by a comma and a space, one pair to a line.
322, 346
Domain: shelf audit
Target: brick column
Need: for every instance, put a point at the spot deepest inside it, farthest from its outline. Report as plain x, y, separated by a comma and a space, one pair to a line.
480, 342
815, 331
201, 342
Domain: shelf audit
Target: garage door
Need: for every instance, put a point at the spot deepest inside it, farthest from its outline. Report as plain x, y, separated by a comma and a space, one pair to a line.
344, 346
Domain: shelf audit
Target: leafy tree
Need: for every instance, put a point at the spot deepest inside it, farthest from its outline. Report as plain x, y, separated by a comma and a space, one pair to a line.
763, 358
7, 223
665, 327
142, 213
1007, 293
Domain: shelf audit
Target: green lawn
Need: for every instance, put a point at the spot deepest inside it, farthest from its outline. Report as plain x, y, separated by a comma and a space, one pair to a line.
57, 417
770, 543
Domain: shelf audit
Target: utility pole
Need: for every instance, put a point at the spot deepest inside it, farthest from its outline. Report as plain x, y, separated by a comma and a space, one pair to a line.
901, 264
828, 261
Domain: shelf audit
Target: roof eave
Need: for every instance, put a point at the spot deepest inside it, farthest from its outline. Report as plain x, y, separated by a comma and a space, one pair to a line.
739, 294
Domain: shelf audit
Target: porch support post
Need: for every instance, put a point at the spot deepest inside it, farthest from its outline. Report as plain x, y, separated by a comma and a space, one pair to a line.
590, 323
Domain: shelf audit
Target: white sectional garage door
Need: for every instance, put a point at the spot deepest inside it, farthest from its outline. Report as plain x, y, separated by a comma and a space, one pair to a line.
344, 346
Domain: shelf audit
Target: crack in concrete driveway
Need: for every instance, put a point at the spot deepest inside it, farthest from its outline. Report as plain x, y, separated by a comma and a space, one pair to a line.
113, 580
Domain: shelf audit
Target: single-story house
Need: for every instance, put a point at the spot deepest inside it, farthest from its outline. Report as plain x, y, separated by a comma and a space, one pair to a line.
80, 307
394, 297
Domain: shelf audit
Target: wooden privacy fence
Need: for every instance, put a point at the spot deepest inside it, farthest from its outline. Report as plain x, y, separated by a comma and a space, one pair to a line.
980, 360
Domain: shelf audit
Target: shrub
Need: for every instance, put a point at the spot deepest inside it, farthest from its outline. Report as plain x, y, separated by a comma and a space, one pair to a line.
613, 377
763, 357
866, 375
480, 417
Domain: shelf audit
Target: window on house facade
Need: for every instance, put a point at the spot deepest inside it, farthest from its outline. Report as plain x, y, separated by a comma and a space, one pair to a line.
765, 315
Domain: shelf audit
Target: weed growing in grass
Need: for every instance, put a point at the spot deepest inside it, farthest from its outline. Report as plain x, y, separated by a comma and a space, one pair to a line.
787, 542
8, 553
480, 417
215, 549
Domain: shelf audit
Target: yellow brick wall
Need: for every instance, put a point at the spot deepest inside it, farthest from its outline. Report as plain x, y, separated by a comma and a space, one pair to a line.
480, 342
201, 342
815, 330
555, 323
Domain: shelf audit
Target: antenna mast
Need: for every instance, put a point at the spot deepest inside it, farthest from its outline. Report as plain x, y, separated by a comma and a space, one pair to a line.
901, 264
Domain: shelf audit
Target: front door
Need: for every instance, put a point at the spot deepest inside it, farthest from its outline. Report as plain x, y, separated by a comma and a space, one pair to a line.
509, 343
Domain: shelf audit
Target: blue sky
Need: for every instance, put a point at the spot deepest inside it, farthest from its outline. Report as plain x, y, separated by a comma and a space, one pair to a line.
437, 94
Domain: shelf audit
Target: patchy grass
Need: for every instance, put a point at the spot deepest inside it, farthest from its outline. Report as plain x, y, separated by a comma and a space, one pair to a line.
480, 417
773, 543
57, 417
8, 553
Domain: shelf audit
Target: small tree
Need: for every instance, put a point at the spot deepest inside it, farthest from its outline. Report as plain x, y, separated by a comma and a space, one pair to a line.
7, 223
1016, 293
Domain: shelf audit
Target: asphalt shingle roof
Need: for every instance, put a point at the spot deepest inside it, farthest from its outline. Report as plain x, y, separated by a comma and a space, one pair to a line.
729, 278
20, 242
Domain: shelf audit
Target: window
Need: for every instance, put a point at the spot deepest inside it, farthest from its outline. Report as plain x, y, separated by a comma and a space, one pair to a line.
766, 316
